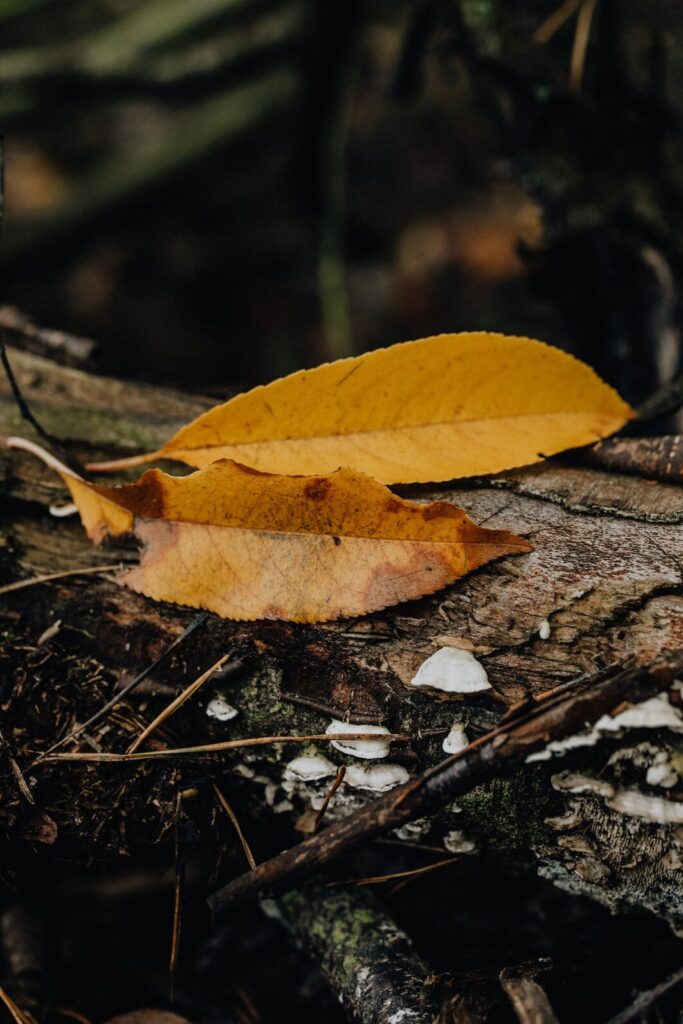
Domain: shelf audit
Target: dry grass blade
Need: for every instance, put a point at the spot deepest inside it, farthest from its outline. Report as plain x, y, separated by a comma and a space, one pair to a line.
396, 875
236, 825
188, 692
20, 1016
210, 748
557, 19
9, 588
179, 872
580, 48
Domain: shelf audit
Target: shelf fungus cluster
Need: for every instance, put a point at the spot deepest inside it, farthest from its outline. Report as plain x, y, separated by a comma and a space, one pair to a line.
621, 831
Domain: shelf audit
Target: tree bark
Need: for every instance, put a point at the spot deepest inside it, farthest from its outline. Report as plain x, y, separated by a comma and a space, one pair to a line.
605, 575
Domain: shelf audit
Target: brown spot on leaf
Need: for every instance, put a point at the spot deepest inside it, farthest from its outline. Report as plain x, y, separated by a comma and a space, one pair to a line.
317, 489
440, 510
144, 498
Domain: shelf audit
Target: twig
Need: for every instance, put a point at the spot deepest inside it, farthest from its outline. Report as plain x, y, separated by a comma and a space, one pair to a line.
22, 404
236, 825
646, 999
171, 708
664, 402
655, 458
9, 588
124, 691
502, 748
341, 772
208, 748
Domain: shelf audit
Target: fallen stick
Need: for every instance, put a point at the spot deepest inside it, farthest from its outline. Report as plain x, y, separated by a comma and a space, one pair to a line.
556, 715
368, 960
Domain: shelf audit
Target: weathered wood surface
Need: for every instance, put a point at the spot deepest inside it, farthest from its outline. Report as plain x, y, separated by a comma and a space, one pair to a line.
606, 574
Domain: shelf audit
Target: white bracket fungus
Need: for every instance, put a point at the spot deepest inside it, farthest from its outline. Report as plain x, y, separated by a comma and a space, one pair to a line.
648, 808
452, 670
308, 768
376, 777
370, 748
655, 713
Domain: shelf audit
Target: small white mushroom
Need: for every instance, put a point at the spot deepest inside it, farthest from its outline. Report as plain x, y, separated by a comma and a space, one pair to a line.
62, 511
590, 869
282, 806
579, 739
370, 748
376, 777
456, 842
413, 830
661, 775
456, 740
308, 768
562, 823
648, 808
574, 782
219, 709
576, 843
661, 772
544, 629
452, 670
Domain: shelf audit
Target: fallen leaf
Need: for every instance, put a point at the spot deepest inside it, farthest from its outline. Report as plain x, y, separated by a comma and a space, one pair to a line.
455, 405
250, 545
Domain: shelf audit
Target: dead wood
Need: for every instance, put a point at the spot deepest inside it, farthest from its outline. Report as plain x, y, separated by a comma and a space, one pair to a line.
556, 717
606, 575
368, 960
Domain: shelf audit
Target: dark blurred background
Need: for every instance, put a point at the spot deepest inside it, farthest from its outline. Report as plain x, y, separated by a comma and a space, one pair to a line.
222, 191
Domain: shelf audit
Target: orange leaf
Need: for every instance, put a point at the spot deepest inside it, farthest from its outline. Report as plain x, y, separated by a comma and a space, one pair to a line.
451, 406
250, 545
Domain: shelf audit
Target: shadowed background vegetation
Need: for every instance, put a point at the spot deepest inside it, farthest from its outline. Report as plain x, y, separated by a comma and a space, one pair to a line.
221, 191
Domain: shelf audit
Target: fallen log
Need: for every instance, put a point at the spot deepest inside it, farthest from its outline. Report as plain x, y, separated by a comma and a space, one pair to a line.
603, 587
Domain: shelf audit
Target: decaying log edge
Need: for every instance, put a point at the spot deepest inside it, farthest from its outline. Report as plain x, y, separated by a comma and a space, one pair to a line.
606, 575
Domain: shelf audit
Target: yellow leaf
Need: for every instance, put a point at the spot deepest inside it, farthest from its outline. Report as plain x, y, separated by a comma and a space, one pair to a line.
249, 545
451, 406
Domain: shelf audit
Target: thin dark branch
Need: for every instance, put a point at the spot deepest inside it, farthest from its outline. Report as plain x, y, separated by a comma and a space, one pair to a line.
556, 716
664, 402
647, 999
22, 404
